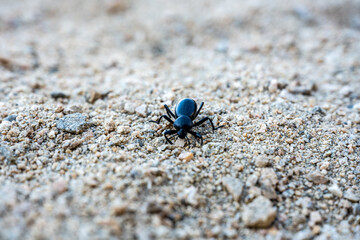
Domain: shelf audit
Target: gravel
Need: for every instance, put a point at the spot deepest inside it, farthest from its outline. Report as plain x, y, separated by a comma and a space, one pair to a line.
234, 186
73, 123
80, 82
57, 95
350, 195
5, 154
11, 118
260, 213
186, 156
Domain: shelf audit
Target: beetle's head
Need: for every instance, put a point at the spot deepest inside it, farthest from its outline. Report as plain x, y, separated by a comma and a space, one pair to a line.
181, 133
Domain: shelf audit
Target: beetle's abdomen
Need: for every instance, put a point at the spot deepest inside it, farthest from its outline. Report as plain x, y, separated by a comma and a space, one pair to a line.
186, 107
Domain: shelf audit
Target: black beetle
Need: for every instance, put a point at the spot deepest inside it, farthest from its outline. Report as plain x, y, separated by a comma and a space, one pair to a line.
185, 113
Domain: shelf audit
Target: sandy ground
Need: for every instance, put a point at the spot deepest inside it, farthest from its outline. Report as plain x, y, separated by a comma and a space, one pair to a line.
80, 81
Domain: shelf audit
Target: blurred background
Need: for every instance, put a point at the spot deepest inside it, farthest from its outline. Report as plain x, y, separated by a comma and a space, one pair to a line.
71, 37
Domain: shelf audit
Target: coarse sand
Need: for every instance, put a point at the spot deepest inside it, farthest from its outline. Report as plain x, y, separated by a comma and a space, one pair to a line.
80, 81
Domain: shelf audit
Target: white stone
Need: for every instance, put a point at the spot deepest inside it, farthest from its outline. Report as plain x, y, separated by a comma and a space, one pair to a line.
260, 213
335, 190
234, 186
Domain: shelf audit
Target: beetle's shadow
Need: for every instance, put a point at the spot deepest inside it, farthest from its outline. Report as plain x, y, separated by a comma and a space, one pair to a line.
205, 130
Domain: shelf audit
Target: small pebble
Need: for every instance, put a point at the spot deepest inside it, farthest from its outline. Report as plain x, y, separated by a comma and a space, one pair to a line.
315, 218
262, 162
60, 186
186, 156
317, 178
350, 195
335, 189
57, 95
74, 123
191, 196
91, 96
72, 144
142, 110
119, 208
259, 213
11, 118
234, 186
273, 86
130, 107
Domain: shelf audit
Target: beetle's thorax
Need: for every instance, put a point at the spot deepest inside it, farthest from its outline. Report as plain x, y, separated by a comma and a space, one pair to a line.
183, 122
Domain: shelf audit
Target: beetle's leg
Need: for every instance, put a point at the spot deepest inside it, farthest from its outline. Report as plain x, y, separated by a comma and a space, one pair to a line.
207, 119
198, 111
163, 116
167, 132
169, 112
197, 135
187, 139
